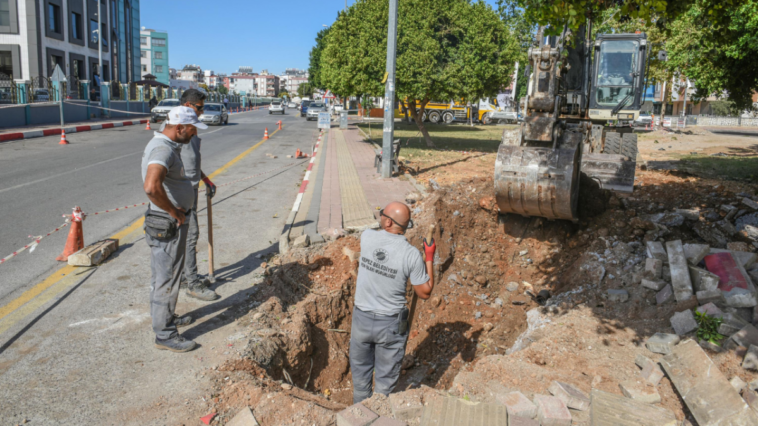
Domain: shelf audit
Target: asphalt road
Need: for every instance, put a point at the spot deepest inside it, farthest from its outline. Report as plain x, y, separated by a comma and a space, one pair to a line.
41, 180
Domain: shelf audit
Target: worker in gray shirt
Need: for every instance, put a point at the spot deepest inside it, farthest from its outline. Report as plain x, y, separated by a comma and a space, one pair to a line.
171, 199
380, 317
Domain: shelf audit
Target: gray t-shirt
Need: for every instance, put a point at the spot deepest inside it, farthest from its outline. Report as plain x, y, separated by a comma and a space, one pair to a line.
162, 150
191, 160
387, 261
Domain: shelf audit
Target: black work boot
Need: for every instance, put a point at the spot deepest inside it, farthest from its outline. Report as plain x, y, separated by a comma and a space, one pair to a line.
201, 292
175, 344
182, 321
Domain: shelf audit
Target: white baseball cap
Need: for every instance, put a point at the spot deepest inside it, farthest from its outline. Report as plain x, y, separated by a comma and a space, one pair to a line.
184, 115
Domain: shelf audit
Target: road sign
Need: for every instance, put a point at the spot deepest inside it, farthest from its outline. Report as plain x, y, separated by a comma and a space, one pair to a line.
58, 74
324, 120
666, 121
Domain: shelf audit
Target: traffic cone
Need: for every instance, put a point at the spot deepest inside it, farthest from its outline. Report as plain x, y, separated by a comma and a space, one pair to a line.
148, 125
63, 138
75, 241
265, 135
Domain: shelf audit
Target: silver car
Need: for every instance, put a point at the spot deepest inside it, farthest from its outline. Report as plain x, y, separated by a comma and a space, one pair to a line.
276, 106
215, 114
160, 111
314, 109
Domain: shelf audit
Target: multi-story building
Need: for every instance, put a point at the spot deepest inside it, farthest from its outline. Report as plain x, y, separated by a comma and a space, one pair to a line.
192, 73
294, 72
267, 85
37, 35
242, 84
211, 79
154, 50
291, 84
172, 73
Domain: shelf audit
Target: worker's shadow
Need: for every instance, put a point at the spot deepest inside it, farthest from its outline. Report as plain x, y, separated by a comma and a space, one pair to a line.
444, 345
243, 267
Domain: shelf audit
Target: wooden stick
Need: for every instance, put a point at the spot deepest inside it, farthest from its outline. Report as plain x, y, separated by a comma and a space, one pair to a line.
211, 273
414, 296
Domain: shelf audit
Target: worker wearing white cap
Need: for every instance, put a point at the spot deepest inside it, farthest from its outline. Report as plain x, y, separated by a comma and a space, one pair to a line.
171, 197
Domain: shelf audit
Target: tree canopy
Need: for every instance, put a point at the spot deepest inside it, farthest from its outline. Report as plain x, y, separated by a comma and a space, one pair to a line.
314, 67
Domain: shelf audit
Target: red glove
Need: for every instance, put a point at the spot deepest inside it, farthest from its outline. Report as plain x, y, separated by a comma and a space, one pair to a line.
210, 186
429, 250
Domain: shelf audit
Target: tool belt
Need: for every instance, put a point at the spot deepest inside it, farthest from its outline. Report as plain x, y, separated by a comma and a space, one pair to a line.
160, 226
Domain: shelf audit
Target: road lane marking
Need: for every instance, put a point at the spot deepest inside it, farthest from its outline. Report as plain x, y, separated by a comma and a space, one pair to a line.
29, 301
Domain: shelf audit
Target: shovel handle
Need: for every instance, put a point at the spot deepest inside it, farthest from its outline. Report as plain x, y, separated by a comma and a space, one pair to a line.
209, 208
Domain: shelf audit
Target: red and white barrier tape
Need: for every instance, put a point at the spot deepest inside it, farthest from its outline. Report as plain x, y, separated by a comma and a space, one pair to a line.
307, 177
32, 245
107, 109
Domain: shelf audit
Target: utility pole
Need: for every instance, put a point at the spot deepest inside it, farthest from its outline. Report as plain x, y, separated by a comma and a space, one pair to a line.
389, 93
99, 43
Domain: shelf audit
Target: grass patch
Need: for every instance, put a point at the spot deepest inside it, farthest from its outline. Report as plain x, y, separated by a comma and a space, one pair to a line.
446, 137
732, 167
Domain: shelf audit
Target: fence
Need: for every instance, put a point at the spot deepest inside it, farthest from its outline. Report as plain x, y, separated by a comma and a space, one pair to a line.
710, 120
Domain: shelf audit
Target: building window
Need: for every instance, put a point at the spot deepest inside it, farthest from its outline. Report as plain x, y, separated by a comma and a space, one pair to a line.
143, 53
104, 33
143, 41
159, 41
54, 18
5, 13
114, 15
6, 63
76, 25
159, 68
158, 55
93, 31
144, 68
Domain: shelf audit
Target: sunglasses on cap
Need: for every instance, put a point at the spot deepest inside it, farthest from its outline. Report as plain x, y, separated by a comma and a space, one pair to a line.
198, 107
408, 226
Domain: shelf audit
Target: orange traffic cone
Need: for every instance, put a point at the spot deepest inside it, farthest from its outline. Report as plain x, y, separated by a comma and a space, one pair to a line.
75, 241
265, 135
148, 125
63, 138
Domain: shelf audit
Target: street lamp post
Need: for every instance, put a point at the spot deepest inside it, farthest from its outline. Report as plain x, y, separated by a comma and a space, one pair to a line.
389, 93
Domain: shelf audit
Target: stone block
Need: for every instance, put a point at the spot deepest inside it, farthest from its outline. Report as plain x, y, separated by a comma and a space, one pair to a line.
750, 232
734, 281
608, 409
726, 227
748, 335
744, 258
302, 241
750, 361
695, 252
517, 405
651, 372
680, 274
615, 295
572, 396
444, 411
653, 268
666, 294
640, 391
356, 415
653, 284
744, 313
689, 214
730, 324
522, 421
702, 279
386, 421
751, 398
750, 203
666, 273
641, 361
705, 344
737, 383
551, 411
711, 234
655, 250
711, 309
683, 322
701, 385
244, 418
662, 343
710, 296
406, 407
737, 246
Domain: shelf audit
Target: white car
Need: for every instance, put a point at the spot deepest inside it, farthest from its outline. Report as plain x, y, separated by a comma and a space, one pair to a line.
159, 112
292, 105
276, 106
337, 108
645, 119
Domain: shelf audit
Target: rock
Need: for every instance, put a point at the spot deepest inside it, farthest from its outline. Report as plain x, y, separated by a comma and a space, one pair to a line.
662, 343
730, 324
517, 405
356, 415
408, 361
387, 421
487, 203
639, 391
655, 250
302, 241
668, 220
750, 203
708, 395
407, 408
729, 210
751, 398
746, 336
650, 372
244, 417
511, 286
663, 296
286, 386
737, 383
488, 327
656, 285
695, 252
750, 361
711, 309
686, 305
257, 316
705, 344
653, 268
481, 279
726, 227
615, 295
750, 232
683, 322
689, 214
570, 395
680, 274
709, 296
609, 409
435, 301
702, 279
711, 234
738, 246
551, 411
477, 315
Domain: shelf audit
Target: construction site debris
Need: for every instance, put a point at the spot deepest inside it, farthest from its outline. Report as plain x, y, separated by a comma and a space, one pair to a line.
683, 322
94, 254
750, 361
356, 415
661, 343
680, 275
610, 409
551, 411
572, 396
640, 391
695, 252
244, 418
517, 405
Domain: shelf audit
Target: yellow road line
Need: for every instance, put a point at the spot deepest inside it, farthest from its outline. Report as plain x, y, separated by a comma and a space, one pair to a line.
62, 273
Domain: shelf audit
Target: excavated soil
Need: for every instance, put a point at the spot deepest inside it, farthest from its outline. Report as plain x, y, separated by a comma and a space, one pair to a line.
473, 336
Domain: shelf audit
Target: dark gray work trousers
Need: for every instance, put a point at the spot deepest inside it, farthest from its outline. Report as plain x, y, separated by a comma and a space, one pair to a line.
376, 352
190, 261
166, 263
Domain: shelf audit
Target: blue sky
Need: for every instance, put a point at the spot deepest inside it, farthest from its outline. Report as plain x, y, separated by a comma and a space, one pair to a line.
224, 34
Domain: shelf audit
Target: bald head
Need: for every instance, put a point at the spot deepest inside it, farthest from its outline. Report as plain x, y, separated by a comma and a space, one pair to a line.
397, 212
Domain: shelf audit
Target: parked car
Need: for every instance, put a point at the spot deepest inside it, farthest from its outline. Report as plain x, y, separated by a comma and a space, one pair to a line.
277, 105
41, 95
304, 107
291, 105
215, 114
314, 109
160, 111
337, 108
645, 119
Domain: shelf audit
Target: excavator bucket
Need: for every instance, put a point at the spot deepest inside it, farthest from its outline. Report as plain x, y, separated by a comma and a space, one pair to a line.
537, 181
613, 172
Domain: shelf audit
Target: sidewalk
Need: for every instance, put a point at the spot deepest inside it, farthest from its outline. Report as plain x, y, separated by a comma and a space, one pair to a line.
346, 193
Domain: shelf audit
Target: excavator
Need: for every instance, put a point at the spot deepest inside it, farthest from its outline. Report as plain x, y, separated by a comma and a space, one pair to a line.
582, 98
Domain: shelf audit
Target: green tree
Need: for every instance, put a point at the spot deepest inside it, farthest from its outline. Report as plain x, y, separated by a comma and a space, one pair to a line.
222, 89
523, 29
446, 49
314, 67
304, 89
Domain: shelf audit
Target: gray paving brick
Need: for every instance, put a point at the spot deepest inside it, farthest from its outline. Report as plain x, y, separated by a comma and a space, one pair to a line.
356, 415
443, 411
607, 409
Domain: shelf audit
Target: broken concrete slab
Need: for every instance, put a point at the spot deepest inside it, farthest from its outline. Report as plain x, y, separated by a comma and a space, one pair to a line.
640, 391
689, 214
744, 258
683, 322
517, 404
572, 396
750, 361
453, 411
702, 279
386, 421
667, 219
653, 268
705, 344
551, 411
655, 250
696, 252
744, 313
711, 309
747, 336
750, 232
302, 241
356, 415
616, 295
663, 296
751, 398
738, 246
94, 254
726, 227
708, 395
608, 409
406, 407
750, 203
711, 234
730, 324
680, 274
662, 343
738, 288
653, 284
522, 421
244, 418
710, 296
738, 384
650, 372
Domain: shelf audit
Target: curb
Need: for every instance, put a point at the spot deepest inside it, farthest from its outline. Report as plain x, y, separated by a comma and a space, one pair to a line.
284, 239
7, 137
